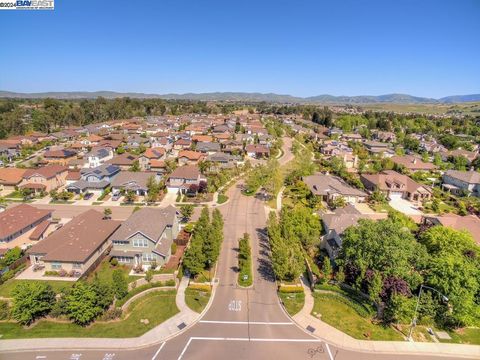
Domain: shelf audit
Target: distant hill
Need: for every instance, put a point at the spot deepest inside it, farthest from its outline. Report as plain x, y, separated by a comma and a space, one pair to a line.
250, 97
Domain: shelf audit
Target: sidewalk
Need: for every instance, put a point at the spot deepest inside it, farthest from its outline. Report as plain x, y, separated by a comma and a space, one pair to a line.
169, 328
337, 338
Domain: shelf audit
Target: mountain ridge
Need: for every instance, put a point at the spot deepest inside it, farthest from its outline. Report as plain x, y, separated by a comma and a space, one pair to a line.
247, 96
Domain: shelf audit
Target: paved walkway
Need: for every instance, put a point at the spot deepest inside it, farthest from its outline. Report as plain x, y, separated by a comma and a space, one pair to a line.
169, 328
331, 335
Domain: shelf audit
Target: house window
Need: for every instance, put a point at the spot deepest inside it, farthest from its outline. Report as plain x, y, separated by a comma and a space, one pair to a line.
120, 242
123, 259
56, 266
147, 257
140, 243
77, 266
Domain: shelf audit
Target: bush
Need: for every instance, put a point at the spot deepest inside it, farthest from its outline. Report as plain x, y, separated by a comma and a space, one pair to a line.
114, 261
173, 248
51, 273
290, 289
170, 282
111, 314
201, 287
4, 310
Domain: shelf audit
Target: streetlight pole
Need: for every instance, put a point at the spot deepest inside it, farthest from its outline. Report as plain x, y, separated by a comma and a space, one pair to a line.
414, 320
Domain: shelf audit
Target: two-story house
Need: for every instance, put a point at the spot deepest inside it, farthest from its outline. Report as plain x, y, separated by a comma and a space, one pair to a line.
462, 182
94, 180
98, 157
183, 177
45, 178
146, 237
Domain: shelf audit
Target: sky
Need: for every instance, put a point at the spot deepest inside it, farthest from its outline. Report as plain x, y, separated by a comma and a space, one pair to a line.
304, 48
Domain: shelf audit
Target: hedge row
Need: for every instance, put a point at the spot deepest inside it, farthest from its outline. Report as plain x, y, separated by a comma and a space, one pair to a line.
290, 289
201, 287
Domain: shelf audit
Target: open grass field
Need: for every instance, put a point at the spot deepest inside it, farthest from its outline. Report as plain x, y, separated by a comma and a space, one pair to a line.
470, 108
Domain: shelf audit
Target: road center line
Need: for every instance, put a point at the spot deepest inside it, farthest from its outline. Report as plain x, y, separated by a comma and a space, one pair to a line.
245, 322
158, 351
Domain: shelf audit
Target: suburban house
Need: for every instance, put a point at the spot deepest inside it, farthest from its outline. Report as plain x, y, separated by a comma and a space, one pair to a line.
146, 237
132, 181
183, 177
396, 186
413, 163
330, 187
46, 178
20, 219
150, 154
379, 148
207, 147
385, 136
10, 178
189, 157
60, 157
221, 161
469, 155
202, 138
257, 151
77, 246
98, 157
123, 161
469, 223
94, 180
458, 182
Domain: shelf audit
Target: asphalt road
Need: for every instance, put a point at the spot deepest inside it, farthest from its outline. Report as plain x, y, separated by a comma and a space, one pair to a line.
241, 323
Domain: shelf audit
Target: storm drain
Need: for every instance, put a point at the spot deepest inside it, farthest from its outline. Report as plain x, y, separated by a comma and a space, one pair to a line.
181, 326
310, 328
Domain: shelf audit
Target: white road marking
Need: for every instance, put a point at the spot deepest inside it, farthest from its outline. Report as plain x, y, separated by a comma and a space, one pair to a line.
40, 357
235, 305
245, 322
158, 351
329, 352
75, 356
244, 339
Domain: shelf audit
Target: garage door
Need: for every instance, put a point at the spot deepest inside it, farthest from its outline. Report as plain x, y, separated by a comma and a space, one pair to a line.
395, 195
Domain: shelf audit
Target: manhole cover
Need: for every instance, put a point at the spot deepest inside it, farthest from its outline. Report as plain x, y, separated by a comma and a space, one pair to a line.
310, 328
182, 325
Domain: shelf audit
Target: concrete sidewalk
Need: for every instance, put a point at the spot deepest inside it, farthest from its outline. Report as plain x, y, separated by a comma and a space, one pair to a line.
166, 330
333, 336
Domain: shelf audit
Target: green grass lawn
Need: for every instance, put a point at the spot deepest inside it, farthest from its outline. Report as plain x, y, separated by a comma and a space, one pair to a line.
222, 198
7, 287
345, 318
156, 307
205, 276
293, 302
465, 336
105, 270
385, 208
196, 299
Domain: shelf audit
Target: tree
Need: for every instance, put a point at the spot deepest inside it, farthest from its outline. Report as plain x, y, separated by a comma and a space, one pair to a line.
82, 304
31, 301
107, 213
149, 275
120, 284
135, 166
11, 255
214, 238
103, 291
454, 270
301, 226
187, 211
130, 196
153, 188
194, 258
327, 268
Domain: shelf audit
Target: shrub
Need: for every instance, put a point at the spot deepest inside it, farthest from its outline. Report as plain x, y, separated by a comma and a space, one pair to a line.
290, 289
4, 310
201, 287
173, 248
51, 273
170, 282
111, 314
114, 261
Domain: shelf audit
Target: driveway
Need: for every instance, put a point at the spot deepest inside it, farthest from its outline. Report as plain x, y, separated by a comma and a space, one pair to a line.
405, 207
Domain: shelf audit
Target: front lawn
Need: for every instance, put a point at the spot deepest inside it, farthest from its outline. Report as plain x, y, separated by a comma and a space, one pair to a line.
464, 336
156, 307
341, 313
293, 302
196, 299
105, 270
57, 285
205, 276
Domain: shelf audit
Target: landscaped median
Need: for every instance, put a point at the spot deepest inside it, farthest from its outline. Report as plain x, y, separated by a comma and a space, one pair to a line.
245, 276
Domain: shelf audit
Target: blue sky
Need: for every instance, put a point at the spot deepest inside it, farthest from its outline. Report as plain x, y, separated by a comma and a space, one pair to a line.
304, 48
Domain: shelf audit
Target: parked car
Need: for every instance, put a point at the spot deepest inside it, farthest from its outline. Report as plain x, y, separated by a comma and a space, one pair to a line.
87, 196
116, 196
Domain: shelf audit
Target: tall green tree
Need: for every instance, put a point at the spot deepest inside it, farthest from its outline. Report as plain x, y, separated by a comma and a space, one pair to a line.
82, 305
31, 301
120, 284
